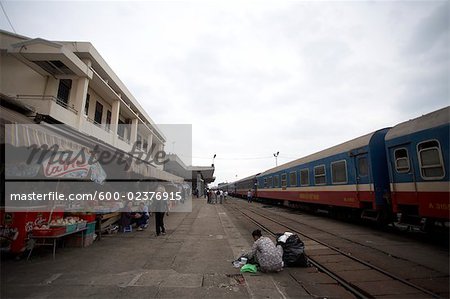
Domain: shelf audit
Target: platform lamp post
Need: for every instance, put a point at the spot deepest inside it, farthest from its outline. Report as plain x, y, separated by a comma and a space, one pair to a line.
276, 158
213, 160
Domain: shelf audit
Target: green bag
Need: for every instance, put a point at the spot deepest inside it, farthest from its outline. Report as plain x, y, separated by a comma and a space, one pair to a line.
249, 268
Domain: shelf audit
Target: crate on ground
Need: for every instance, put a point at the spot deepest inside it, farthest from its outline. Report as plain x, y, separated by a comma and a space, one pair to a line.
71, 228
88, 240
77, 240
81, 225
90, 227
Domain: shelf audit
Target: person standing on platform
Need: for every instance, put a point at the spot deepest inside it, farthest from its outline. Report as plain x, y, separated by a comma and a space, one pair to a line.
221, 196
208, 194
217, 196
249, 195
160, 208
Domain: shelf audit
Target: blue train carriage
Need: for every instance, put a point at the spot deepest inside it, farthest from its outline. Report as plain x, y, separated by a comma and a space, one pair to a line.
229, 188
418, 154
243, 185
349, 179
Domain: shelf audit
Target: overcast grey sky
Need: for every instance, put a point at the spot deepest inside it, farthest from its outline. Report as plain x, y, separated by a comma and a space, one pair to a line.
254, 78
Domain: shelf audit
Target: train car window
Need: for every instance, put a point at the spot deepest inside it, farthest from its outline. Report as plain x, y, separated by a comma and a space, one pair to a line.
319, 175
304, 177
275, 181
339, 172
401, 160
265, 182
269, 182
283, 180
430, 160
363, 168
293, 179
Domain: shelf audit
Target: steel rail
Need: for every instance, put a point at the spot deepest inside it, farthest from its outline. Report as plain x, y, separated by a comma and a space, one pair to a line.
344, 283
393, 276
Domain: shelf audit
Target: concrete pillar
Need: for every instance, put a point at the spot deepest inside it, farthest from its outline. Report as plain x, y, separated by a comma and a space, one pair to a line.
115, 117
199, 184
150, 143
134, 129
79, 98
80, 90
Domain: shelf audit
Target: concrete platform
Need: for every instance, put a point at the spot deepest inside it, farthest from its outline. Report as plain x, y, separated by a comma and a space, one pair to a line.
193, 260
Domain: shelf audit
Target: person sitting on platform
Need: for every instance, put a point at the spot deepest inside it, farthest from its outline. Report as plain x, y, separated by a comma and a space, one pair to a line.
126, 216
264, 253
141, 217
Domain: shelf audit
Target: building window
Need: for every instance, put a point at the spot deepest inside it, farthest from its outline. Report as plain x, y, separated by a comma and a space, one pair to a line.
108, 120
401, 160
363, 167
138, 142
304, 177
64, 91
98, 113
283, 180
430, 160
293, 179
121, 129
275, 181
319, 175
339, 172
86, 105
269, 182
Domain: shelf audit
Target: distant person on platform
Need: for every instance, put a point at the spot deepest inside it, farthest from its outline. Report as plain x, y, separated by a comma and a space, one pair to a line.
141, 217
126, 216
205, 192
160, 208
249, 195
221, 196
208, 194
264, 253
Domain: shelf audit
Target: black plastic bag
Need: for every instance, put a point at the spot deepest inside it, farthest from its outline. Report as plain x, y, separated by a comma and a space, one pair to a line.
293, 251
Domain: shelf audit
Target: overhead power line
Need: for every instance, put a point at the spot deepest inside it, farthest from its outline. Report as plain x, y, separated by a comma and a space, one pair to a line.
242, 158
7, 18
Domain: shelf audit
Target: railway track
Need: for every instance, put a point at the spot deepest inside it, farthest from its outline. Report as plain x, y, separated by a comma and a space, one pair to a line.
396, 285
315, 228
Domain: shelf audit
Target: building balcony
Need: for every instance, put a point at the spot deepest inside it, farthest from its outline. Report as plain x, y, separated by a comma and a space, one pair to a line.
51, 106
123, 144
99, 131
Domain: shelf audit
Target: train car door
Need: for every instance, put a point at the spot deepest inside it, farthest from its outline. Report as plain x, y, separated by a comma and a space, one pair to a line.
403, 178
362, 177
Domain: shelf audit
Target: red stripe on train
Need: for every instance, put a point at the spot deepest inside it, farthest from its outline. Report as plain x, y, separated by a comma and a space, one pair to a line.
349, 199
430, 204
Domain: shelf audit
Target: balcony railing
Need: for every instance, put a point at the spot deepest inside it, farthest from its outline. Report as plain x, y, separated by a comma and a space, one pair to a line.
123, 139
106, 127
58, 101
